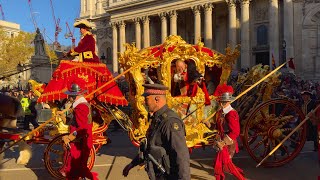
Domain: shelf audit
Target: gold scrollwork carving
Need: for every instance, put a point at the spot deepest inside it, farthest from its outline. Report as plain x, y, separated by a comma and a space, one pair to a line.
160, 57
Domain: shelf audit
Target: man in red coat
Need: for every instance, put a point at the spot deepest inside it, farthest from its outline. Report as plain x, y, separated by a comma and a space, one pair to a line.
79, 141
315, 120
87, 45
229, 130
187, 80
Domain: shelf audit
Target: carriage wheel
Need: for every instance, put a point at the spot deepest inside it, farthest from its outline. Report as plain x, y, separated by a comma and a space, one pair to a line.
267, 125
54, 157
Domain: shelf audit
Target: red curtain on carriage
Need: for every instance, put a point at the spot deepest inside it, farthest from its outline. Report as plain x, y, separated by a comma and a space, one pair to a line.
90, 76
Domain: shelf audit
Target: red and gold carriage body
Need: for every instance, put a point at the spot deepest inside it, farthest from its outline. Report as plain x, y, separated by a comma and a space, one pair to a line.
265, 121
159, 62
104, 100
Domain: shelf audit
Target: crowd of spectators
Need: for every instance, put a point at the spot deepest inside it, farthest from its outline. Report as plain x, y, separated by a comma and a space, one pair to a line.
292, 87
29, 105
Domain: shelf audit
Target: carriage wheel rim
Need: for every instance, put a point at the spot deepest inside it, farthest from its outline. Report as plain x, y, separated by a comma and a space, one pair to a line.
48, 163
271, 134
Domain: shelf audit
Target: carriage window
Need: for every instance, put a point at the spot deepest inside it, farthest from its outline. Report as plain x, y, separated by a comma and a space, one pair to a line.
184, 77
151, 75
212, 78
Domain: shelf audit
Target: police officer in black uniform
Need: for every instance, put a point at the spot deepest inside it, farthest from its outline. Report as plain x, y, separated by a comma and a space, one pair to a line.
164, 150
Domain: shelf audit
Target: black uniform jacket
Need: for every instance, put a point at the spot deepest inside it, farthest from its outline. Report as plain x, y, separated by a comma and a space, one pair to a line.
170, 136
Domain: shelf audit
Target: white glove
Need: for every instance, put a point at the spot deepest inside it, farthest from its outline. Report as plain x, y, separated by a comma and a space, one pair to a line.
177, 77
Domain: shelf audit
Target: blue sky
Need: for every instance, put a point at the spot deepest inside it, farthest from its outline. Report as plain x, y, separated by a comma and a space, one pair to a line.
18, 11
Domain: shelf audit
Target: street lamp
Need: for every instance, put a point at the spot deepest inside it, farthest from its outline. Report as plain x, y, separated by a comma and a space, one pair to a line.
20, 67
284, 52
19, 83
103, 58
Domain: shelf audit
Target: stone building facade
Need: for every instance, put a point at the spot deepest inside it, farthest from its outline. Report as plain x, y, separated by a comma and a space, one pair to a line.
263, 28
10, 28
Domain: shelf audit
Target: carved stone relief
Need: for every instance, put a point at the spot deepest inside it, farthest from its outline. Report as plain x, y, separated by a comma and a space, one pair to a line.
311, 1
261, 13
104, 33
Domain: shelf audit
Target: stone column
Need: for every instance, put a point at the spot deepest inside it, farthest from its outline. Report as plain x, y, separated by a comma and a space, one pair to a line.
82, 11
99, 9
274, 31
288, 28
232, 23
245, 34
89, 8
122, 27
115, 47
146, 32
208, 25
173, 22
164, 33
197, 23
138, 32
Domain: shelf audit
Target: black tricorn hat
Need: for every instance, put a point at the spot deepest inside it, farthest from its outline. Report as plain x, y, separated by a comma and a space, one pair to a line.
154, 89
306, 92
83, 23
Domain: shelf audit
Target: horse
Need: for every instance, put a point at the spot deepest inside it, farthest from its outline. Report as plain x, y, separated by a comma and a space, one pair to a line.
10, 110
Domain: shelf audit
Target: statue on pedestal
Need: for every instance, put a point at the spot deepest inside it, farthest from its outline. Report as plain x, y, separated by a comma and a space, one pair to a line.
39, 47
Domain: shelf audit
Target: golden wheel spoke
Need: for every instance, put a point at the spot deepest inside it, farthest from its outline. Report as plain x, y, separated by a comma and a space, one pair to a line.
262, 133
259, 143
266, 148
283, 148
284, 120
290, 139
263, 115
284, 130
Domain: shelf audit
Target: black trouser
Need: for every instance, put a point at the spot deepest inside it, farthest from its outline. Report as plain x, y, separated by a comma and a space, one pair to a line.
30, 119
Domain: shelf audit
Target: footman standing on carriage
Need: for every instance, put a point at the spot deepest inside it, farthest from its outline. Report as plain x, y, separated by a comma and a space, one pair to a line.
86, 47
164, 151
229, 130
79, 141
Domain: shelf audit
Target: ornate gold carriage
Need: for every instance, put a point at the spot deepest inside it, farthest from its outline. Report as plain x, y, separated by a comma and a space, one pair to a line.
159, 61
265, 120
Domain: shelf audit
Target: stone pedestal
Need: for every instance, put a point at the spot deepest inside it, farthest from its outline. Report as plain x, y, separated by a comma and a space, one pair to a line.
41, 70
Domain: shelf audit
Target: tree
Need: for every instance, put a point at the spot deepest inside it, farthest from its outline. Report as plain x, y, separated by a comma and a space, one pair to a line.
18, 49
52, 55
15, 50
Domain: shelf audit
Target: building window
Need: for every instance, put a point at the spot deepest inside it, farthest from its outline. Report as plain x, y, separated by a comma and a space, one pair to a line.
262, 35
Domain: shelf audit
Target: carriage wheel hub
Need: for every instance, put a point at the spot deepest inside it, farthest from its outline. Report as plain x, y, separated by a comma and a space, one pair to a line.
274, 132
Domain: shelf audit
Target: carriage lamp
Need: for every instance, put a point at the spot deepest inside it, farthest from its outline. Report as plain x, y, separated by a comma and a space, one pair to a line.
20, 67
284, 52
103, 58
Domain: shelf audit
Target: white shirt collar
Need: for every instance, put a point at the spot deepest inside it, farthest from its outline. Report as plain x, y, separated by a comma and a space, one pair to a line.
227, 109
78, 101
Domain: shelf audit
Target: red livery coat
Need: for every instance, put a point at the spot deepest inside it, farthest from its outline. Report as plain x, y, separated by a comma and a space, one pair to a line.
223, 162
76, 160
86, 49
